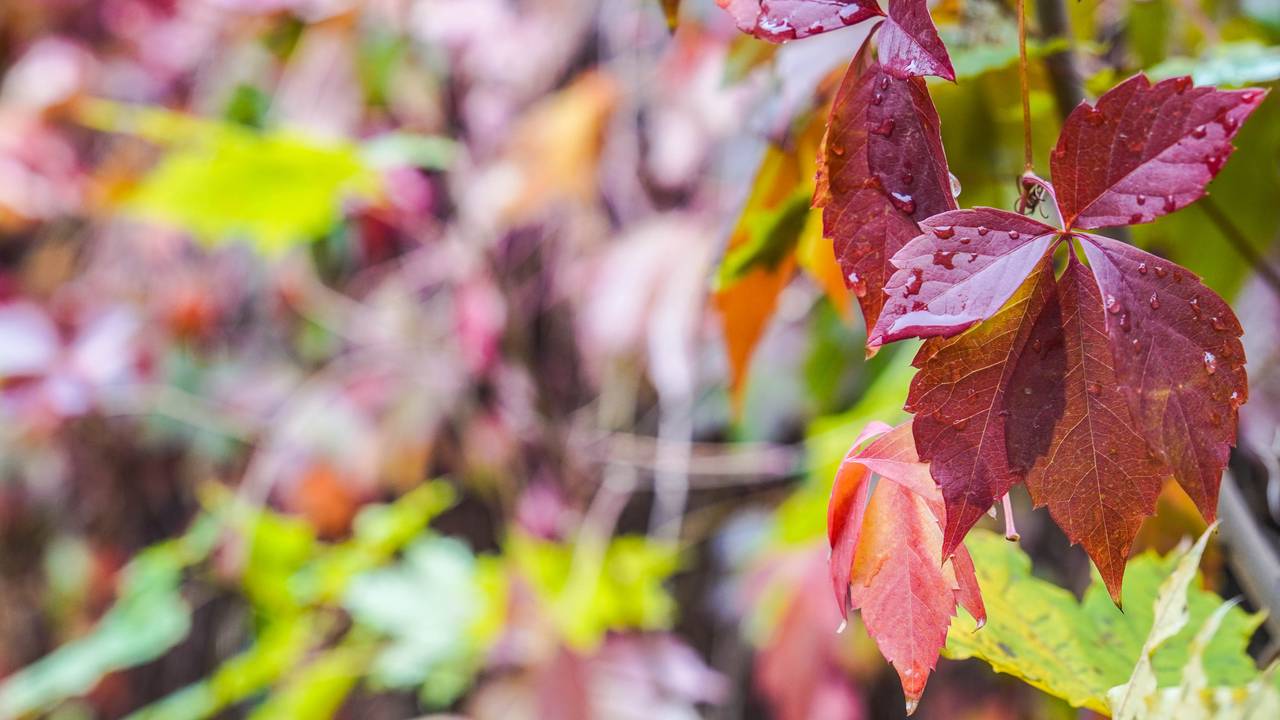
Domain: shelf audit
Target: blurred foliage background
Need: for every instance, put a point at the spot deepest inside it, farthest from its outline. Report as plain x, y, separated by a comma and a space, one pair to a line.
483, 357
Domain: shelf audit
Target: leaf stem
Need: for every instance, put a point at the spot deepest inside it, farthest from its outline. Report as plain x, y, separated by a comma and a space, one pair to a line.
1010, 529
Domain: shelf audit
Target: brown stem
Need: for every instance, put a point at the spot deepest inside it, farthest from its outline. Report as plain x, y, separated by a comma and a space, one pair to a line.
1236, 239
1027, 157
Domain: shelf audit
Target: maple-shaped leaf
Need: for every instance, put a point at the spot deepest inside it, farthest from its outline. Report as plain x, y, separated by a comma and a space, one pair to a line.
882, 169
884, 558
782, 20
909, 43
1144, 150
1096, 386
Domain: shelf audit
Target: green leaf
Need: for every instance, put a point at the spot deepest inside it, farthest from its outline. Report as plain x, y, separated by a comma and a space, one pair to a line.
1077, 651
1232, 63
149, 617
429, 606
221, 181
588, 594
1170, 614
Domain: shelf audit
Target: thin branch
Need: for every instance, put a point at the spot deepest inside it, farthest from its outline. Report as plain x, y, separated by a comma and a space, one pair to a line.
1235, 237
1028, 164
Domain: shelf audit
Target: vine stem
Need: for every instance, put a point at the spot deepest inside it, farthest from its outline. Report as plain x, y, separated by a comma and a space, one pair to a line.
1028, 163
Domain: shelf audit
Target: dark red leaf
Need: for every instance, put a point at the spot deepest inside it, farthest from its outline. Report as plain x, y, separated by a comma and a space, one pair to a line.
1178, 361
908, 42
958, 398
883, 169
782, 20
1096, 474
961, 270
1144, 150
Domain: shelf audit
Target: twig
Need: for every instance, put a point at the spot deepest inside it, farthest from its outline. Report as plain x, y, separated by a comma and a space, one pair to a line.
1238, 242
1028, 164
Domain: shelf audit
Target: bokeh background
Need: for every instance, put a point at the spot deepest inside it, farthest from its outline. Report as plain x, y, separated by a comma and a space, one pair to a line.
382, 359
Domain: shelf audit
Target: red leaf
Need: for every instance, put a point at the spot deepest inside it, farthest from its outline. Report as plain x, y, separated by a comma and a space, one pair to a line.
1178, 360
1144, 150
1096, 474
883, 169
781, 20
909, 44
959, 272
893, 538
1098, 391
958, 398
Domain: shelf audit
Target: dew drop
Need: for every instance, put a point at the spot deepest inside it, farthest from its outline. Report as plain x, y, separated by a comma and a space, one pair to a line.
837, 149
943, 258
885, 128
1124, 322
1037, 345
1155, 302
1210, 363
903, 202
1142, 268
1113, 305
876, 98
849, 15
1236, 399
1177, 276
1095, 389
1169, 204
1199, 131
1230, 124
1142, 199
1094, 116
917, 281
907, 178
964, 241
1182, 83
912, 704
1161, 272
1135, 218
1026, 391
973, 256
843, 624
1215, 163
1014, 234
857, 284
1217, 323
1137, 346
983, 230
955, 185
1249, 96
944, 232
884, 82
1195, 306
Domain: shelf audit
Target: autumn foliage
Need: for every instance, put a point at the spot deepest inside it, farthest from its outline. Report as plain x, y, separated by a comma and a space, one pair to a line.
1072, 362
